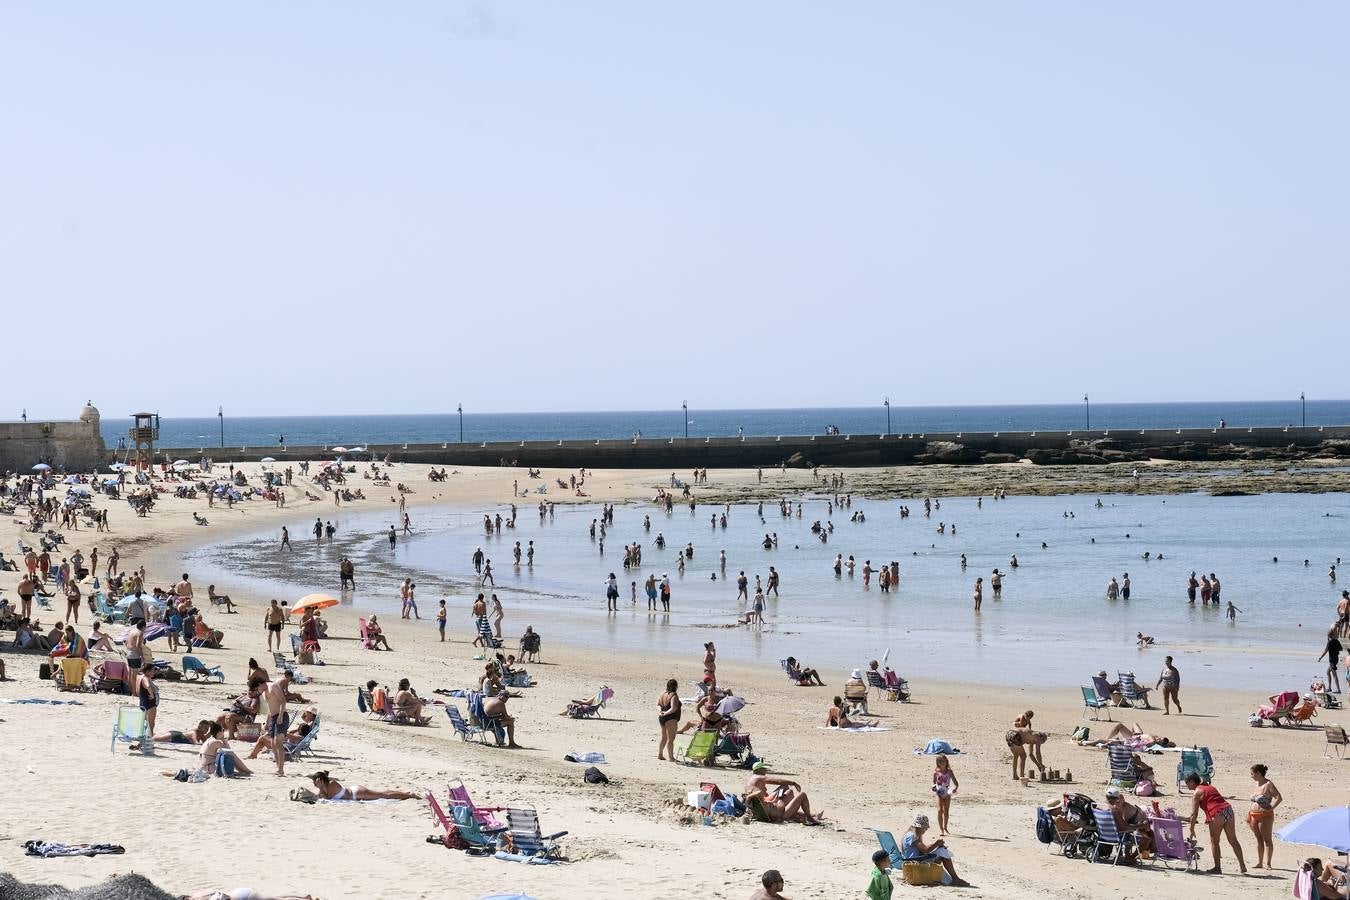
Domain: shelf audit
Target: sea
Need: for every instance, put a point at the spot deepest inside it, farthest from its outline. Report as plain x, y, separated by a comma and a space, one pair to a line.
1053, 625
206, 432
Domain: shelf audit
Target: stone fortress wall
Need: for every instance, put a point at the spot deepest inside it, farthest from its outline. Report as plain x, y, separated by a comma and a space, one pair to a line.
76, 446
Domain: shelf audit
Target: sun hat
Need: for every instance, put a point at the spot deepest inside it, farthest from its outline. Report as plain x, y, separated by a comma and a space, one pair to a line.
1113, 792
759, 766
857, 674
920, 821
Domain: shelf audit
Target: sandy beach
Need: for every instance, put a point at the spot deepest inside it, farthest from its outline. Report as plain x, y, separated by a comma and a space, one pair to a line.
632, 838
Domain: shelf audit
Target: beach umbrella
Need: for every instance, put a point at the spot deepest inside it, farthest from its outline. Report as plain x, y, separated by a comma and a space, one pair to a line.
71, 479
507, 897
731, 705
1328, 827
314, 601
41, 467
79, 489
341, 450
267, 459
117, 467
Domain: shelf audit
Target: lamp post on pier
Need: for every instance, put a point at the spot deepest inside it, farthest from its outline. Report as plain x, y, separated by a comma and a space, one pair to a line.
887, 403
460, 410
220, 411
685, 406
1087, 411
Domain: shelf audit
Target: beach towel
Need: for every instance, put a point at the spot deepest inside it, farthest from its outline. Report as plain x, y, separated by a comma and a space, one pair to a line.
521, 857
935, 747
590, 756
50, 849
43, 702
859, 729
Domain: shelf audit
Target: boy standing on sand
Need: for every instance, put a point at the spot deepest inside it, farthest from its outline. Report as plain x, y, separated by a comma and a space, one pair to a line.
440, 620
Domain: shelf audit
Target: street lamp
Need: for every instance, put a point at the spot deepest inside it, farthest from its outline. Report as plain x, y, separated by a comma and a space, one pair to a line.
461, 423
685, 406
1087, 411
220, 411
1303, 399
887, 403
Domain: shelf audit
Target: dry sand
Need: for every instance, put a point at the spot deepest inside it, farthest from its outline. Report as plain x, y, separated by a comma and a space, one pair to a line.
632, 838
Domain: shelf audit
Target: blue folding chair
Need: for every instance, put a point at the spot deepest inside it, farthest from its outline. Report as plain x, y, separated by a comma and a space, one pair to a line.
195, 670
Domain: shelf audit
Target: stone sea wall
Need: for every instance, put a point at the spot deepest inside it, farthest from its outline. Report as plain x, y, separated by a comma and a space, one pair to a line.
76, 446
1042, 448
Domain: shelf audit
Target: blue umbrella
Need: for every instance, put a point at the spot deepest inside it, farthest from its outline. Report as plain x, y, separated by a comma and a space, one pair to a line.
507, 897
1328, 827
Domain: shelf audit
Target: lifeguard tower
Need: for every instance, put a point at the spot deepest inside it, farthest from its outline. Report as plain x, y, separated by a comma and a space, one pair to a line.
142, 435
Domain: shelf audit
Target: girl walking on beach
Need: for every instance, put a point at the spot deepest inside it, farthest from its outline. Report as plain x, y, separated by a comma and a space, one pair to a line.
945, 786
668, 718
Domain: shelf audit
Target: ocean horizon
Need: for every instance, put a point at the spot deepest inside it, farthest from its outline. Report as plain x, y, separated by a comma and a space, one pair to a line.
352, 430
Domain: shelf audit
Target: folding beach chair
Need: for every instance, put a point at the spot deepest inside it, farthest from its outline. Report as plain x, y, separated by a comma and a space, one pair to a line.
462, 728
1197, 760
1303, 712
129, 726
1335, 738
301, 747
459, 796
1169, 843
1096, 704
366, 642
755, 806
856, 696
1103, 689
526, 837
1110, 840
1131, 693
699, 751
591, 708
1121, 761
1280, 707
195, 670
887, 841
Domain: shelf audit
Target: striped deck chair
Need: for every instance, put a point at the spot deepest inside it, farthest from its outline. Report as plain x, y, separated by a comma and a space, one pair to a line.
1335, 738
1131, 693
462, 728
1111, 841
1121, 760
302, 746
490, 640
526, 836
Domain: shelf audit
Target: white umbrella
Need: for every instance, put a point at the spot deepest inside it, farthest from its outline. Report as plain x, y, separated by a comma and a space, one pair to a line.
267, 459
41, 467
79, 489
117, 467
731, 705
341, 450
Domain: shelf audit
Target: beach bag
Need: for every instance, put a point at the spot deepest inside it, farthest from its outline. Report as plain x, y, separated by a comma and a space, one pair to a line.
1144, 788
1080, 733
45, 671
595, 776
304, 795
922, 874
1045, 826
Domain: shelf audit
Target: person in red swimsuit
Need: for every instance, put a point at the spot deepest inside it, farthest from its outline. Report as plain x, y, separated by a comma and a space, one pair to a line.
1218, 815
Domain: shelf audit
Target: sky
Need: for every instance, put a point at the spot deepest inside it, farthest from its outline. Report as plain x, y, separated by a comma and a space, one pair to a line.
323, 207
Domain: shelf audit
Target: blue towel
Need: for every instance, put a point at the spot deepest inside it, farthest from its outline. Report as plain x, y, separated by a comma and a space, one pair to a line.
934, 747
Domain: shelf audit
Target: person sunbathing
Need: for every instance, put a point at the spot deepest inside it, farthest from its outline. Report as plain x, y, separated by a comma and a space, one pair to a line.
837, 717
1134, 737
787, 802
220, 599
330, 789
244, 708
375, 634
98, 639
709, 718
494, 710
308, 720
211, 759
802, 675
196, 736
407, 703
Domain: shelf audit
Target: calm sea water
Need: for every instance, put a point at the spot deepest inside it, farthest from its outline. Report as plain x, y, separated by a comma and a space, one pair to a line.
358, 430
1053, 626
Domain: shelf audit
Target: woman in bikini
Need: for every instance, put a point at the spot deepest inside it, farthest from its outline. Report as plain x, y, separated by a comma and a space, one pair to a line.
1033, 741
668, 709
1019, 752
837, 717
330, 789
1261, 816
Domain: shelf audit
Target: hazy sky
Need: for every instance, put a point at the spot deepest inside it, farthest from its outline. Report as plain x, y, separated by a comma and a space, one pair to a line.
371, 207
